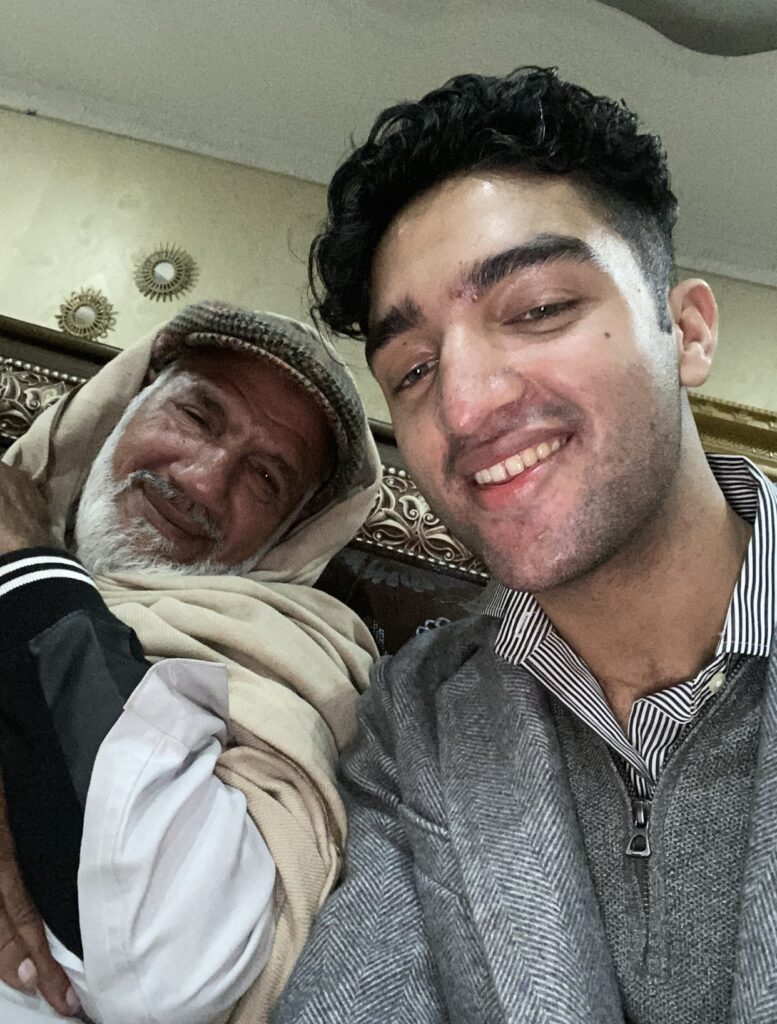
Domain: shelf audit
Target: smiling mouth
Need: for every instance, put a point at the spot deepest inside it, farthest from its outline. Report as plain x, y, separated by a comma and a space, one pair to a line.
518, 463
171, 519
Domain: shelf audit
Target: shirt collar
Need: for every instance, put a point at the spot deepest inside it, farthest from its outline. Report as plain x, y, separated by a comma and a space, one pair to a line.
752, 613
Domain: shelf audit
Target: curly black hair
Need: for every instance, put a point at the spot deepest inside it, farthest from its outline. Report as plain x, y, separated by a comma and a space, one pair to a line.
530, 121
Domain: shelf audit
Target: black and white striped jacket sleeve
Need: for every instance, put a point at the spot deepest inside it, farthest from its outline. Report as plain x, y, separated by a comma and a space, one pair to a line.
67, 666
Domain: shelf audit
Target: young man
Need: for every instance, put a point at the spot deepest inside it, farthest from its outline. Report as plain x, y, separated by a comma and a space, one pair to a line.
178, 824
562, 810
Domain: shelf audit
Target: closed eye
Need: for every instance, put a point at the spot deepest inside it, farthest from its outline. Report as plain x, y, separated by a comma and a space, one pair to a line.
193, 414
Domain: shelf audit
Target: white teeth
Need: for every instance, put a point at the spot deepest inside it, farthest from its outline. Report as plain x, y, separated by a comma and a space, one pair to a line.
516, 464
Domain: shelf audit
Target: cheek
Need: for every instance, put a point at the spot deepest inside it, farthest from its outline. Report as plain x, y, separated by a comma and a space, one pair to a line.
595, 376
423, 449
126, 454
149, 445
249, 522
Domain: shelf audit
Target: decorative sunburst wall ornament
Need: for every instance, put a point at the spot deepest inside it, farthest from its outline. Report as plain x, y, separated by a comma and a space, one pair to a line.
166, 273
87, 314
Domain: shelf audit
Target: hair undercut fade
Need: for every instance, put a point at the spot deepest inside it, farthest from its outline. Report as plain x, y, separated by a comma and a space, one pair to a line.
529, 121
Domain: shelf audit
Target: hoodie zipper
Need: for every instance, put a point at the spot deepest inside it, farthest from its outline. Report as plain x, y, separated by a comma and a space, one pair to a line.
639, 840
638, 846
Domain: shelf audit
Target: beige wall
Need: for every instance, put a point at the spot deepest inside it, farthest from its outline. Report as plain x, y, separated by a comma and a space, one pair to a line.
79, 207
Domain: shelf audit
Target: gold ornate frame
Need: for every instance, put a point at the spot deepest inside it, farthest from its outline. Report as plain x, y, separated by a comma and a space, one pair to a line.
38, 365
734, 429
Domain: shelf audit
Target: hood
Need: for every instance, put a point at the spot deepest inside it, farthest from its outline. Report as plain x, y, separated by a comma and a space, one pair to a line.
59, 448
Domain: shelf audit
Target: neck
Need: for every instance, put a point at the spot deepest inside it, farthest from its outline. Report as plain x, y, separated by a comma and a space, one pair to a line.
652, 615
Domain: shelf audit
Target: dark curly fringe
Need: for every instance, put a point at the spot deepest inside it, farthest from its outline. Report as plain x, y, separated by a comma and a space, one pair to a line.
529, 121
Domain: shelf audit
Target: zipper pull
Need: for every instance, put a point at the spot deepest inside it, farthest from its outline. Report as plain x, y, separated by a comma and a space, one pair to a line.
639, 841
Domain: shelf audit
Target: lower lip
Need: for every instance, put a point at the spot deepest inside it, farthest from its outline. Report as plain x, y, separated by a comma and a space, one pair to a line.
496, 496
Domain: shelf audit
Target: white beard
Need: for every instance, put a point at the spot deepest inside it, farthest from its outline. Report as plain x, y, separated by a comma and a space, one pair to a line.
106, 545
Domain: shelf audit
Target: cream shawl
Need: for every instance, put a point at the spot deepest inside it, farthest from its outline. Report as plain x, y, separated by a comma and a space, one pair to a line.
297, 658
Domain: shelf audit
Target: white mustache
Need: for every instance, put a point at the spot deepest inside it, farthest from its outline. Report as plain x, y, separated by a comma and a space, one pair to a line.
198, 515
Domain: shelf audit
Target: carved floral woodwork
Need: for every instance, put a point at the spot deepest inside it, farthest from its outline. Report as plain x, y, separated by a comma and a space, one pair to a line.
734, 429
402, 522
25, 391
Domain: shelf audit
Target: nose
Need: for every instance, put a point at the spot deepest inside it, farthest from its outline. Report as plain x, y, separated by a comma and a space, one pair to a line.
476, 379
203, 476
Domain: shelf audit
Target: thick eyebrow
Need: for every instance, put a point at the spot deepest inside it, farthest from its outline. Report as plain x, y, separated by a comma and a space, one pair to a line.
541, 250
397, 320
479, 277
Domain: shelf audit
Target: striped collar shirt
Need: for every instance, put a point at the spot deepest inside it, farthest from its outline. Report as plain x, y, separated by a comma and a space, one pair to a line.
527, 638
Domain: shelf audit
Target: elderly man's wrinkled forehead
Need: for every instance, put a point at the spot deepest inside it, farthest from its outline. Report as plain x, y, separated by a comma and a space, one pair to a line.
249, 375
247, 385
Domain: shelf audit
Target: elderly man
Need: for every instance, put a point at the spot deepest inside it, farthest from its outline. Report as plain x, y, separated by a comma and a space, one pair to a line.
178, 825
563, 810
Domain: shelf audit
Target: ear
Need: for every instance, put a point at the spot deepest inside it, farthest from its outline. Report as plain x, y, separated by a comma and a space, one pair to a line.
160, 342
695, 318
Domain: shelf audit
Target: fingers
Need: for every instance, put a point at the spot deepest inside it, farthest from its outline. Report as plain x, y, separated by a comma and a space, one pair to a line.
23, 514
12, 955
38, 969
26, 962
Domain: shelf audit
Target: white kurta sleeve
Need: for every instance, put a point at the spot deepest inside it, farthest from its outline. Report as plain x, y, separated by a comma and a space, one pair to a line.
175, 881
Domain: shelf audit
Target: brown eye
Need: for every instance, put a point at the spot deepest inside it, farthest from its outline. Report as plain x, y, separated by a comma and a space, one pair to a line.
265, 478
415, 375
546, 311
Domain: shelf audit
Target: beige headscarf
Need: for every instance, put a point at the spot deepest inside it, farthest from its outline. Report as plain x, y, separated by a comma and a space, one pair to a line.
297, 658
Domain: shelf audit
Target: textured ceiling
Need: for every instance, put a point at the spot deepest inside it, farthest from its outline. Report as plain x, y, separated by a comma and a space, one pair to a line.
729, 28
283, 84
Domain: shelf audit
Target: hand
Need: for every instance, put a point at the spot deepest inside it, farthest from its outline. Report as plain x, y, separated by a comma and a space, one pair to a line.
26, 962
24, 520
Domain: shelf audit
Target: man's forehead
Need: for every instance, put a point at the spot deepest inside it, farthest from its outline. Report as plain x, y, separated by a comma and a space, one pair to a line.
471, 233
215, 362
228, 373
249, 385
526, 203
466, 219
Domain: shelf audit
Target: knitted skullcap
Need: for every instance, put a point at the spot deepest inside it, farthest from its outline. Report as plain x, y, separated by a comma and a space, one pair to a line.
292, 347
